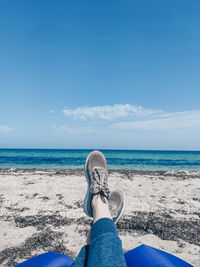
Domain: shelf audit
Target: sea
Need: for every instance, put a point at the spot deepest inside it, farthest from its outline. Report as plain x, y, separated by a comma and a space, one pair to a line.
117, 159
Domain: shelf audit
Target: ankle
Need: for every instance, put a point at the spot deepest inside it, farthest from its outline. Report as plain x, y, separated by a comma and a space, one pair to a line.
99, 208
99, 200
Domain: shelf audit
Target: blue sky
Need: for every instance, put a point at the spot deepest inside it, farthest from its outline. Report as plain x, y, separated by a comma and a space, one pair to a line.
100, 74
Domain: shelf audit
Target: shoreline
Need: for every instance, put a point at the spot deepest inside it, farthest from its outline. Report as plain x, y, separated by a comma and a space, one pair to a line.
41, 210
80, 171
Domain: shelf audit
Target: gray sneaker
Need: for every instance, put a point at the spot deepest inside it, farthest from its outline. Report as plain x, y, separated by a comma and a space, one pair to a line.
96, 172
116, 205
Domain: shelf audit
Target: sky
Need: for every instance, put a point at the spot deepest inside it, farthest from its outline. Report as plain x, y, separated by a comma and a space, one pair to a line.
100, 74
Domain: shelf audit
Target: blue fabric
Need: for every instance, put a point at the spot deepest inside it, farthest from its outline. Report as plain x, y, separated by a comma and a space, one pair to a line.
145, 256
49, 259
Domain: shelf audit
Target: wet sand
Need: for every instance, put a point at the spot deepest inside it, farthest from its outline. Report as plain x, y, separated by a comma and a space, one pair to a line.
41, 210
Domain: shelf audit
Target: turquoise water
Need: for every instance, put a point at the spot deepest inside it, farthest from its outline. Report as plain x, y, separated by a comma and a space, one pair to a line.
117, 159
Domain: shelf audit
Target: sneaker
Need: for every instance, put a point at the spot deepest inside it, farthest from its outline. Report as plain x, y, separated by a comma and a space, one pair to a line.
116, 205
96, 172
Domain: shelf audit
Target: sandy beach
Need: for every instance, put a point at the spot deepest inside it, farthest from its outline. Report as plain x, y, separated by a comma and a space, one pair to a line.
41, 210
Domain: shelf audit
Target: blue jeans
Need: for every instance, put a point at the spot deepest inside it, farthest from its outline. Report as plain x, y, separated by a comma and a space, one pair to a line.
105, 249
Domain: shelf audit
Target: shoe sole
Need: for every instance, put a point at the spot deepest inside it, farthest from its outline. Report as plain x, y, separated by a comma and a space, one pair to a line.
122, 211
85, 205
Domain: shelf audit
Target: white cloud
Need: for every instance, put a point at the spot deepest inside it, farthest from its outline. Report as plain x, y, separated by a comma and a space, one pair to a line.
130, 117
154, 130
5, 129
51, 111
164, 121
109, 113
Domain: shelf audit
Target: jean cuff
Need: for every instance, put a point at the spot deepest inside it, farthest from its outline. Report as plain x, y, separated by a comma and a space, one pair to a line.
102, 226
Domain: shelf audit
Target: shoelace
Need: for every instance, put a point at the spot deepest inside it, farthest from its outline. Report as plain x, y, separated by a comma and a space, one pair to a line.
99, 184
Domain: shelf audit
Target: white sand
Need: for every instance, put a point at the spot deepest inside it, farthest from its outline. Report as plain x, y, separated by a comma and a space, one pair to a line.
42, 211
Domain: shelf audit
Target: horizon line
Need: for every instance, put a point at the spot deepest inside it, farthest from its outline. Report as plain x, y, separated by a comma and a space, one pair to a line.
114, 149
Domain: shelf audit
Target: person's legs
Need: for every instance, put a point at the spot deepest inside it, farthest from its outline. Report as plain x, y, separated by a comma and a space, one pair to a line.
104, 245
100, 210
105, 248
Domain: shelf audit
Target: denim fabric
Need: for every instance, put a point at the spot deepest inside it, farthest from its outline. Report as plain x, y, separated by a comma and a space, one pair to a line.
105, 249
